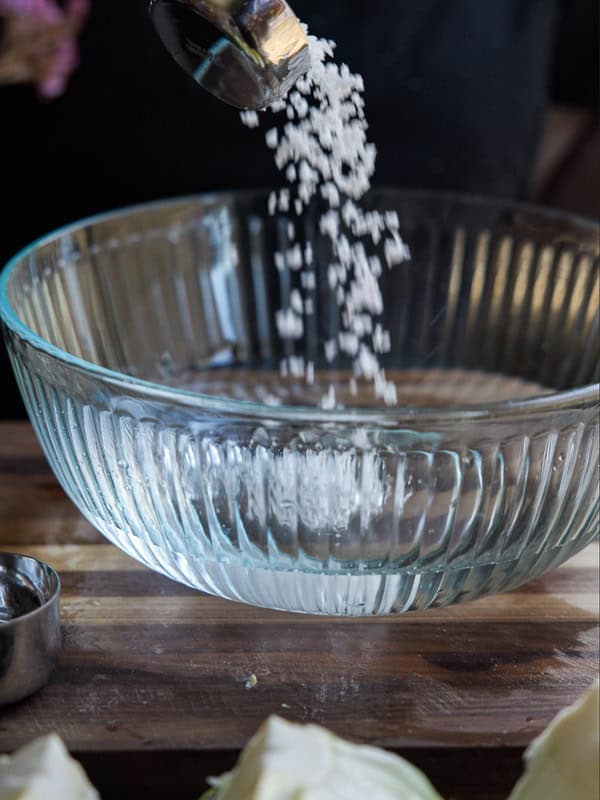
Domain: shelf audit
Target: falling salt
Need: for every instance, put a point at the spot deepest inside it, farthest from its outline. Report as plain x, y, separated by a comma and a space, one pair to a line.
328, 401
272, 138
349, 343
323, 150
331, 350
381, 340
395, 250
250, 119
289, 324
296, 302
332, 276
284, 200
272, 203
308, 280
294, 257
296, 366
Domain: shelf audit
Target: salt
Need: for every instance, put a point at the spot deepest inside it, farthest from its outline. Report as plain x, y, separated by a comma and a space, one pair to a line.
308, 280
250, 119
328, 401
294, 257
332, 276
296, 302
272, 138
323, 151
284, 200
331, 350
289, 324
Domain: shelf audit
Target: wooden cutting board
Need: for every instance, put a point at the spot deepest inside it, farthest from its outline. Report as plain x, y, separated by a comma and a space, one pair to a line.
151, 689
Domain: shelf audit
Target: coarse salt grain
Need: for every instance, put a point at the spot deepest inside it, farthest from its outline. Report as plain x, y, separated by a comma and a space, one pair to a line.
272, 138
328, 401
289, 324
294, 257
296, 301
308, 281
250, 119
331, 350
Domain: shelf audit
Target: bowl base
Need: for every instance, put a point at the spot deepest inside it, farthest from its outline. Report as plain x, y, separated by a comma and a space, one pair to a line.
345, 595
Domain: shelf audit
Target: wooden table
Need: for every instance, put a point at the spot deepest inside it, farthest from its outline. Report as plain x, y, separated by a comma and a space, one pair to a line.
150, 692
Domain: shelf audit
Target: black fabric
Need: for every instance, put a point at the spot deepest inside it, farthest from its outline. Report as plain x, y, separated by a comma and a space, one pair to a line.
455, 96
576, 69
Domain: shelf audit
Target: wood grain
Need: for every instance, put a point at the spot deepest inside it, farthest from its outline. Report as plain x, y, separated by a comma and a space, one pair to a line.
151, 682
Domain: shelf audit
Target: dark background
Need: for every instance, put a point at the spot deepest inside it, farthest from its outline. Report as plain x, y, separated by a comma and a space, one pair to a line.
460, 95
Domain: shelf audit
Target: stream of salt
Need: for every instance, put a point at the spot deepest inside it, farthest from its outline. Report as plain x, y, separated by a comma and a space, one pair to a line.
323, 149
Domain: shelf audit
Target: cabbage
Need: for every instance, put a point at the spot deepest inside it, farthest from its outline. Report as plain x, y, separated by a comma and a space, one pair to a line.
564, 762
44, 770
284, 761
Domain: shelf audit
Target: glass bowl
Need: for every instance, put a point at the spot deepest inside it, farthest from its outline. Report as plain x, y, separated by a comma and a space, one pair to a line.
145, 345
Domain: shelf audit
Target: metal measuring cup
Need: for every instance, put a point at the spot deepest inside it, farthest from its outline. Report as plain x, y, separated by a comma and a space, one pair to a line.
29, 625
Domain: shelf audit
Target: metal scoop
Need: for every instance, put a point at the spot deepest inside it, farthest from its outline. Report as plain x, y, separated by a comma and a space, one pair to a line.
248, 53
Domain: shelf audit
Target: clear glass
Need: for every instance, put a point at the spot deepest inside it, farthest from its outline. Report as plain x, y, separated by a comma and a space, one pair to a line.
145, 345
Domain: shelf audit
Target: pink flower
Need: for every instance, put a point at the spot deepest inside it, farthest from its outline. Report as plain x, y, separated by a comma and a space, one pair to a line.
40, 42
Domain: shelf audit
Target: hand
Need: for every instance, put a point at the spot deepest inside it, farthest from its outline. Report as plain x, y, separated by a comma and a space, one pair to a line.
39, 44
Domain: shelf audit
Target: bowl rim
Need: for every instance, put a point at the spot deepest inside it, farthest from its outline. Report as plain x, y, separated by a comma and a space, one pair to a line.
587, 396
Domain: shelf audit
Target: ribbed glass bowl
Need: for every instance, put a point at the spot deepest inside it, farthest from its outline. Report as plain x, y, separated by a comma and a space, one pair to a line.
145, 345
